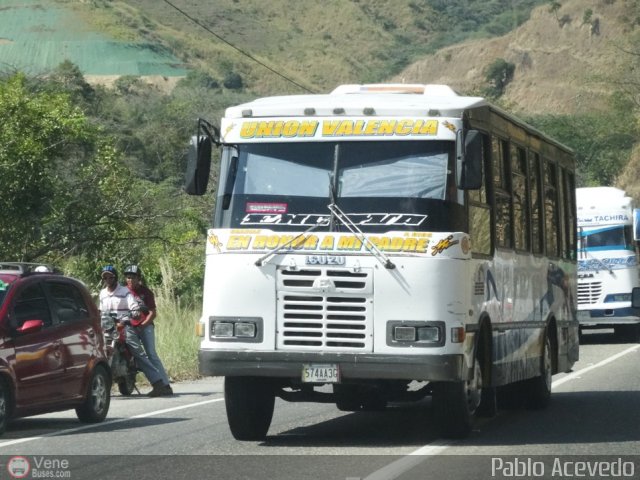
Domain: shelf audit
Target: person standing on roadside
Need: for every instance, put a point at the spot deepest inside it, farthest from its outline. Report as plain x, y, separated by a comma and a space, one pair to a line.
144, 327
117, 298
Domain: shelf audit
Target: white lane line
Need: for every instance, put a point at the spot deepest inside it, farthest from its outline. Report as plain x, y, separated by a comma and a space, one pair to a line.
573, 375
109, 422
404, 464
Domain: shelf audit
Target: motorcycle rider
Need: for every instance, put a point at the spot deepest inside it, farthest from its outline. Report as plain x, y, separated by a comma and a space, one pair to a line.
117, 298
144, 327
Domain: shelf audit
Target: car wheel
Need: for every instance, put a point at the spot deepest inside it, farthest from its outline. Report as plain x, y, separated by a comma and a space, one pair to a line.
4, 406
96, 405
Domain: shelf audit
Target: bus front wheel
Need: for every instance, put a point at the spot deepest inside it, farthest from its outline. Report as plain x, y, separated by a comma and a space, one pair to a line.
539, 388
249, 402
455, 404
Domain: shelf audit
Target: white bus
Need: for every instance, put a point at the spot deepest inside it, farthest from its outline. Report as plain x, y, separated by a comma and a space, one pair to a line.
607, 261
385, 243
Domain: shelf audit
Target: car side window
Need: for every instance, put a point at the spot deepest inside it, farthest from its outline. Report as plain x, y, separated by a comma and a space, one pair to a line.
31, 304
67, 302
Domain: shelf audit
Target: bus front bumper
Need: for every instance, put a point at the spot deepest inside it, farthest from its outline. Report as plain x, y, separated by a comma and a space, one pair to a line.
352, 366
613, 316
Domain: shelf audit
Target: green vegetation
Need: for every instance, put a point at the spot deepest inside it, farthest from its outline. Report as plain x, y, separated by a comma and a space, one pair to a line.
498, 75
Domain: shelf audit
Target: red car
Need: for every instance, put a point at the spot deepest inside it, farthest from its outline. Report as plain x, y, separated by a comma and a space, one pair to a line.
52, 354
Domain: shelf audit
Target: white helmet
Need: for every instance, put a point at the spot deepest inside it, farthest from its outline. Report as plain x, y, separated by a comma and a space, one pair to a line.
42, 269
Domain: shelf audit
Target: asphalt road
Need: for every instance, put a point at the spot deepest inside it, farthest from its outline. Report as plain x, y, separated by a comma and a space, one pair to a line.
595, 411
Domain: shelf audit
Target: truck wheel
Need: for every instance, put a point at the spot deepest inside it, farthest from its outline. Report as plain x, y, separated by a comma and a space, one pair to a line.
455, 404
95, 407
249, 402
127, 385
539, 388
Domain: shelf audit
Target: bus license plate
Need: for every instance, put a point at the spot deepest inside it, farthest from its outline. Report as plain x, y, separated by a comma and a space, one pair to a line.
320, 373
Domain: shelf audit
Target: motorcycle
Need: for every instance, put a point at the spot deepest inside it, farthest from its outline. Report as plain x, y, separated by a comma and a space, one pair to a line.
121, 360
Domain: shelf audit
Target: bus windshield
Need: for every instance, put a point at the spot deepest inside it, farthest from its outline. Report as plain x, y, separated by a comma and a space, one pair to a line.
393, 185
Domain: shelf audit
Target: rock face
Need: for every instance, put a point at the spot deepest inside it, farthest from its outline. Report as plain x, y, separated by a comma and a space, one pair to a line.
565, 60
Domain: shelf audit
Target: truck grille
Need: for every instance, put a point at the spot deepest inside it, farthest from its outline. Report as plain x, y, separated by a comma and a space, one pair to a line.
325, 308
589, 292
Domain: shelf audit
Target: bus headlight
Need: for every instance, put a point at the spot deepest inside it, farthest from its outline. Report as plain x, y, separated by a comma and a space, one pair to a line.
404, 334
222, 329
428, 334
414, 333
245, 330
238, 329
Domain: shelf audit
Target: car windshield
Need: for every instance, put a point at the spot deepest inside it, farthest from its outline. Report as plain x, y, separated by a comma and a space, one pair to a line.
380, 185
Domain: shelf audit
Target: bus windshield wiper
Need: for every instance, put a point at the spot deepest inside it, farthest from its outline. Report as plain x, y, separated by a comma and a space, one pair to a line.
353, 228
333, 176
262, 259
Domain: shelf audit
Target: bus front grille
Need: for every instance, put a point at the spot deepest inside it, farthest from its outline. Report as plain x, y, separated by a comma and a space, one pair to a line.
589, 292
325, 309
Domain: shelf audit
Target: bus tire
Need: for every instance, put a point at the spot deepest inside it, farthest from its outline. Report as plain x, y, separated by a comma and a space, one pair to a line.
249, 402
455, 404
539, 388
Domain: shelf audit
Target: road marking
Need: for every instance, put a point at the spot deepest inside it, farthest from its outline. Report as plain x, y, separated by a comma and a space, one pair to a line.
109, 422
404, 464
573, 375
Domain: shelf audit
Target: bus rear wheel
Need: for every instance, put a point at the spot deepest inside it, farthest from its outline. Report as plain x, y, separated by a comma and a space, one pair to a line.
249, 402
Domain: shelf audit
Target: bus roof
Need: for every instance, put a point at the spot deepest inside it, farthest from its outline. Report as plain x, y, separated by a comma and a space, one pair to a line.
363, 100
602, 198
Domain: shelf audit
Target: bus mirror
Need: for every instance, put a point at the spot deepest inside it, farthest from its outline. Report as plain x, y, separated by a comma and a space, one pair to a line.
198, 165
635, 297
636, 224
469, 164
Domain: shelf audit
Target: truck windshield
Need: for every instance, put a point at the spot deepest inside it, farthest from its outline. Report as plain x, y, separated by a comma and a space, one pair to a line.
607, 238
395, 185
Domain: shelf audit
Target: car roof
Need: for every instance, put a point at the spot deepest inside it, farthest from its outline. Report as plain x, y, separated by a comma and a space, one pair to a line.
25, 268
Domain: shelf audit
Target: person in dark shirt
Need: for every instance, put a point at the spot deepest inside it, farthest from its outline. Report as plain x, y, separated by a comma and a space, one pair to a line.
144, 329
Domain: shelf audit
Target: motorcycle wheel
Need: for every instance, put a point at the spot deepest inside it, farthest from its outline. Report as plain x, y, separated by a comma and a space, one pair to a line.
127, 385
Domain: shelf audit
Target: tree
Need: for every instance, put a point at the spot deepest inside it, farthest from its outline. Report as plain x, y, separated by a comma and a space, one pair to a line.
498, 75
62, 180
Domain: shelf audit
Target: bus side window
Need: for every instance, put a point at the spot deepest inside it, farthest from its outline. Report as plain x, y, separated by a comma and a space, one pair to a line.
551, 208
480, 210
535, 185
502, 192
570, 214
520, 193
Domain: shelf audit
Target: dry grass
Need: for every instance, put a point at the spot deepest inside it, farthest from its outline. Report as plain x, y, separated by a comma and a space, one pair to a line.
176, 341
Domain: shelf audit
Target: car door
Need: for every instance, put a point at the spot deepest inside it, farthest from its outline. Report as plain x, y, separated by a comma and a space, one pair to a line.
39, 363
74, 329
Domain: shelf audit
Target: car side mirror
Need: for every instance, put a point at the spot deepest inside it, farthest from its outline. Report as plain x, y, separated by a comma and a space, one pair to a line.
30, 326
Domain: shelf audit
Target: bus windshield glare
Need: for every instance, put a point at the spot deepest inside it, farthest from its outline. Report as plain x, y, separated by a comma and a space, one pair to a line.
281, 185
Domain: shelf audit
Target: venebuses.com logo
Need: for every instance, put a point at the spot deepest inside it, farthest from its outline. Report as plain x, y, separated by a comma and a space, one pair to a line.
18, 467
38, 467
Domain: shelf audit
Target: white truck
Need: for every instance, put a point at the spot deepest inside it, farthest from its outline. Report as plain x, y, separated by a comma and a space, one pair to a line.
607, 261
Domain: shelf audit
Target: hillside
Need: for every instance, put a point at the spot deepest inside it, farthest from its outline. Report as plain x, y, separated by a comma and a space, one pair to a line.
563, 64
317, 45
36, 36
